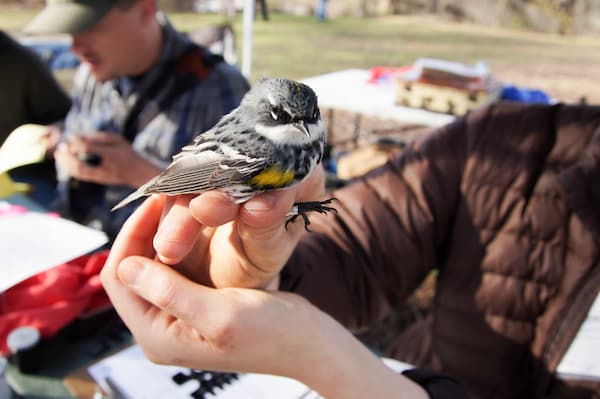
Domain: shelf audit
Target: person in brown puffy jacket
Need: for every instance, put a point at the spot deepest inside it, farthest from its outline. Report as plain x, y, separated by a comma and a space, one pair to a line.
504, 203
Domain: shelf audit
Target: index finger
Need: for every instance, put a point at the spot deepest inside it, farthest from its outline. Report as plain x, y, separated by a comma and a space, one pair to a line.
135, 237
179, 230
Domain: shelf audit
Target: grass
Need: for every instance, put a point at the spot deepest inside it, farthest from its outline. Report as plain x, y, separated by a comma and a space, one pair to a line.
298, 47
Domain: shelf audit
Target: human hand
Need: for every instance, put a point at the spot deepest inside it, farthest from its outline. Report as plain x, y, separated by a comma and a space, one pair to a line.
52, 137
152, 304
119, 163
219, 243
176, 321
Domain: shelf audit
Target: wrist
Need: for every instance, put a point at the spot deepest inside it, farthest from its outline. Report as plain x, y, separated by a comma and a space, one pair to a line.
342, 367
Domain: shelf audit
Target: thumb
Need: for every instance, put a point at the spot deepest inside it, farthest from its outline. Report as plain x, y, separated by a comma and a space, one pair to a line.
166, 289
266, 237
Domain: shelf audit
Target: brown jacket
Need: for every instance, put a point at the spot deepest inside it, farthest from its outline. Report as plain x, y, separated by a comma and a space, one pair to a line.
505, 203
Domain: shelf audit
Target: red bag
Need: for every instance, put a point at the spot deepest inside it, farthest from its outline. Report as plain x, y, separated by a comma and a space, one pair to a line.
52, 299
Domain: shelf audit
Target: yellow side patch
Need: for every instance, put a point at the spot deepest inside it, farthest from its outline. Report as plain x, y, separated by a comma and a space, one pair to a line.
273, 177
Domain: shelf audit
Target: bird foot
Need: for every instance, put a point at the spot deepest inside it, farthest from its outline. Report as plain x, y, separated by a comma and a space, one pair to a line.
302, 208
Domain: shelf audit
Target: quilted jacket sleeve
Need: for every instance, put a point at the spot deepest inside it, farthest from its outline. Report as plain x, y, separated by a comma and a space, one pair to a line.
389, 232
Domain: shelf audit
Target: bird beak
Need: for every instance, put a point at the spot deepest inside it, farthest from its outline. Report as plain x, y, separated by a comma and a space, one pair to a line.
302, 127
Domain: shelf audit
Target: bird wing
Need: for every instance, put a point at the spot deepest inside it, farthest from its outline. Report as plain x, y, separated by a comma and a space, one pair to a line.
193, 173
206, 164
199, 172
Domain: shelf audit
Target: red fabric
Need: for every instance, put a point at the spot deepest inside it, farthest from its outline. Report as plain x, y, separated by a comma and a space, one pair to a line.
385, 73
52, 299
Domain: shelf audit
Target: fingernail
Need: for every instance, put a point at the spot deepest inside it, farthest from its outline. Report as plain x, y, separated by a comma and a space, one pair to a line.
261, 203
130, 271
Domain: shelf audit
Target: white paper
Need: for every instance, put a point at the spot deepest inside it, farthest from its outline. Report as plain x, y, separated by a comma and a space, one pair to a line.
33, 242
350, 90
25, 145
582, 358
135, 377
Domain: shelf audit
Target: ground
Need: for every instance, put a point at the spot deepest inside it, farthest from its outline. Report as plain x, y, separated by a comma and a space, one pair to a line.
566, 67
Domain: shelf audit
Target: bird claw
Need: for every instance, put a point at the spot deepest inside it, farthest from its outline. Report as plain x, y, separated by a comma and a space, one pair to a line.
302, 208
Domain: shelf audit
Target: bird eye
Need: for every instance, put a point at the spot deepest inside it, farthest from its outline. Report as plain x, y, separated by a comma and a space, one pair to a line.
278, 114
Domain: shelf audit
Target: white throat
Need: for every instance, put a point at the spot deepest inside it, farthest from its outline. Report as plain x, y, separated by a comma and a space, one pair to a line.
288, 134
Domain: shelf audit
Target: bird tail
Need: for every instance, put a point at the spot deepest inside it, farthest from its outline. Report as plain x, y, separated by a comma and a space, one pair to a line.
139, 193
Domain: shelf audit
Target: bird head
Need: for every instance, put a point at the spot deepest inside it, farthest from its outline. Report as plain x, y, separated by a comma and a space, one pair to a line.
286, 111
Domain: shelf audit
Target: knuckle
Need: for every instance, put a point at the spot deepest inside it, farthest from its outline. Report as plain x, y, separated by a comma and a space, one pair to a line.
226, 331
224, 334
160, 345
165, 295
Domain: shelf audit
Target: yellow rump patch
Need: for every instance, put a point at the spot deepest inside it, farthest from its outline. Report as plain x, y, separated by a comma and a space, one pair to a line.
273, 177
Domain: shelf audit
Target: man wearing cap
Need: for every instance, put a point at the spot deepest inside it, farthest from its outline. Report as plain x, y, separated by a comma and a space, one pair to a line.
142, 92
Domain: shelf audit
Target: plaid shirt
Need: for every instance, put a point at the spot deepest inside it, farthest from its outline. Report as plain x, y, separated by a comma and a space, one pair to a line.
159, 130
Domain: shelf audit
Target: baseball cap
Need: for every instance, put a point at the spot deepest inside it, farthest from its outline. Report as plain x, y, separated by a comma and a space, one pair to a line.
69, 16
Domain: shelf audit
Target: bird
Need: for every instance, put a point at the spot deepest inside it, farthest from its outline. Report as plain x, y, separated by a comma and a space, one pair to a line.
273, 140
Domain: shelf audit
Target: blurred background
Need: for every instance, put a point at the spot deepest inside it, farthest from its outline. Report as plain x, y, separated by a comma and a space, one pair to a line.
549, 45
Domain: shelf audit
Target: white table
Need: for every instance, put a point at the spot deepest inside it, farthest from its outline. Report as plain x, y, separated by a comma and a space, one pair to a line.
350, 90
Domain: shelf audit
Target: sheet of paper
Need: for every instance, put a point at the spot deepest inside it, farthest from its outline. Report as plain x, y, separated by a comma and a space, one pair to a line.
31, 242
581, 359
25, 145
135, 377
